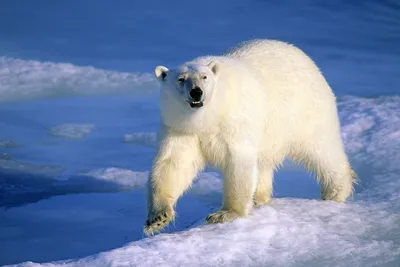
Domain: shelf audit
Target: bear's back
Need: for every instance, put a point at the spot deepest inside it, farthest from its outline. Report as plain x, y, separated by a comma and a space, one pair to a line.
297, 92
283, 70
273, 59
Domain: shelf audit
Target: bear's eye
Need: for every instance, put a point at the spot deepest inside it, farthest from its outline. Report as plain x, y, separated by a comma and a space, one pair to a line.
181, 79
204, 77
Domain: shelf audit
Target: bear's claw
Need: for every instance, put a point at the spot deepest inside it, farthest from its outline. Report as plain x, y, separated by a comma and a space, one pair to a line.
158, 222
222, 216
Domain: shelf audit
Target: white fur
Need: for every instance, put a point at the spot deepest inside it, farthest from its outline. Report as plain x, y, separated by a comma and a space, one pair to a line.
267, 100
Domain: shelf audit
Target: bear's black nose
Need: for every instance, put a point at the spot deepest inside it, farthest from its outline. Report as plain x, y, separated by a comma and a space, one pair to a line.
196, 93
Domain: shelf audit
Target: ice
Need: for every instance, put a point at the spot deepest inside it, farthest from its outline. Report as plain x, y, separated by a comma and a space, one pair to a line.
30, 79
290, 231
7, 163
22, 182
9, 144
371, 133
124, 178
145, 139
208, 187
71, 131
76, 225
5, 156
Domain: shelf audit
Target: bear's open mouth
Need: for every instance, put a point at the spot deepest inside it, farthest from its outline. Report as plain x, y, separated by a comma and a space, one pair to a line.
196, 104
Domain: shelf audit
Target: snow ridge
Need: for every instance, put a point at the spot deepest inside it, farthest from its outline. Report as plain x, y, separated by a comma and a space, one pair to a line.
30, 79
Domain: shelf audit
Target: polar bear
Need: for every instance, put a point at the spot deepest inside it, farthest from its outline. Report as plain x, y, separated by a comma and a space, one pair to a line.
245, 112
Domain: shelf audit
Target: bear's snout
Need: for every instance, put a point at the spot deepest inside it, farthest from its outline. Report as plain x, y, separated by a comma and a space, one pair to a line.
196, 93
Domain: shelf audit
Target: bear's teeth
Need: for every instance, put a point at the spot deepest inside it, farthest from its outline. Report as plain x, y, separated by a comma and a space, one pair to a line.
196, 102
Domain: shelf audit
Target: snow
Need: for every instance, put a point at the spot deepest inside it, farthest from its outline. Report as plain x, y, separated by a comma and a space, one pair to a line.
286, 233
30, 79
71, 131
291, 231
371, 132
124, 178
145, 139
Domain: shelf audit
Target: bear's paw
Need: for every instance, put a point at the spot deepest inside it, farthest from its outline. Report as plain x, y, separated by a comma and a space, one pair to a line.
158, 221
222, 216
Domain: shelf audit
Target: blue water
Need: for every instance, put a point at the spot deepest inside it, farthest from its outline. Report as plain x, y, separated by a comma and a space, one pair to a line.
355, 43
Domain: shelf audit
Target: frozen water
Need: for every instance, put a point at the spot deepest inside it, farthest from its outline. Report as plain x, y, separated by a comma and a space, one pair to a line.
124, 178
372, 135
71, 131
354, 42
29, 79
146, 139
9, 144
7, 163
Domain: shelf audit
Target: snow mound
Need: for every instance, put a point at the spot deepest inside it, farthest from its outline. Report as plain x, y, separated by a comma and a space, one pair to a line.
71, 131
122, 177
29, 79
145, 139
372, 136
289, 232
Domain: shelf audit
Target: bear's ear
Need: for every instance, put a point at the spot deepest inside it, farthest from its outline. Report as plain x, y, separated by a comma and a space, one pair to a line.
213, 65
161, 72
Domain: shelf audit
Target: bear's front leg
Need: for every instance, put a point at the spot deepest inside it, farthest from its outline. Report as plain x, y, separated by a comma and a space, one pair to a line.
176, 165
161, 211
240, 180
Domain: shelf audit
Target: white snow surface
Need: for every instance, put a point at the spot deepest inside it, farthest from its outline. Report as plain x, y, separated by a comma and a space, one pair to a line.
289, 231
30, 79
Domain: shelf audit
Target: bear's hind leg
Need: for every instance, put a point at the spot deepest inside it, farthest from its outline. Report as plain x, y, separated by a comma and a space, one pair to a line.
264, 189
337, 185
333, 170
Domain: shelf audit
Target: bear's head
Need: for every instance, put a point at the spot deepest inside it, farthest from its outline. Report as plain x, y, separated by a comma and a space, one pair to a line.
192, 84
